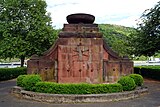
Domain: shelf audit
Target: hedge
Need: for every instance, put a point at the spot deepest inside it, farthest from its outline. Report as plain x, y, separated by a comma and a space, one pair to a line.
34, 83
10, 73
29, 81
127, 83
138, 79
20, 80
152, 72
55, 88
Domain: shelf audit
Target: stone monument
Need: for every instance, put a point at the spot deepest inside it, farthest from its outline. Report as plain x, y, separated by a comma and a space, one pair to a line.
80, 55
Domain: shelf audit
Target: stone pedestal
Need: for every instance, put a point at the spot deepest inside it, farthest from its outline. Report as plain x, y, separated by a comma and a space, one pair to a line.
80, 55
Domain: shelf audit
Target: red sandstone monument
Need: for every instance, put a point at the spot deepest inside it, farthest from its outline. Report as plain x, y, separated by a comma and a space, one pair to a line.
80, 55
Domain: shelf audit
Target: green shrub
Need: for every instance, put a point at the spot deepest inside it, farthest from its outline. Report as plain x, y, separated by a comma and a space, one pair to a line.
138, 79
29, 82
10, 73
20, 80
55, 88
127, 83
152, 72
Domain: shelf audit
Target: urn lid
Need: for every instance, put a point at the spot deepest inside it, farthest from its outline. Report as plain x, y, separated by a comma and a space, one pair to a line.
80, 18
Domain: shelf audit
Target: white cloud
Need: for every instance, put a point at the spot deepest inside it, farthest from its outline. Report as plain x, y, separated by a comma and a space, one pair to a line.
123, 12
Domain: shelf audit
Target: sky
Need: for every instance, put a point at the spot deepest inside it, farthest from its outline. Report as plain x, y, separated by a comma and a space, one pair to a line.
119, 12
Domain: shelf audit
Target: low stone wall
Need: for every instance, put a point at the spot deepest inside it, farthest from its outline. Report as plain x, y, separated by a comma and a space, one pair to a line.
72, 98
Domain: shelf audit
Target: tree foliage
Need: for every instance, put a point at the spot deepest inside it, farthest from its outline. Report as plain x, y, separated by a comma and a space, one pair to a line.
117, 38
146, 41
25, 28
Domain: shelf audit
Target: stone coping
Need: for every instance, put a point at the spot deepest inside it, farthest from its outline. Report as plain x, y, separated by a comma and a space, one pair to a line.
76, 98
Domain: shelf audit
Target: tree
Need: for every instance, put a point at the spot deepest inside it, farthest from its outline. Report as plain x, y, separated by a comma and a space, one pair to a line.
25, 28
117, 38
146, 41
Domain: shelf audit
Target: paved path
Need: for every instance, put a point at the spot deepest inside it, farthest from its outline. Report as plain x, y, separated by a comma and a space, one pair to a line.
150, 100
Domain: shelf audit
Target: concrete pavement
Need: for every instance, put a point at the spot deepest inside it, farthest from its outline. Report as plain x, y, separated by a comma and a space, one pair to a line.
150, 100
